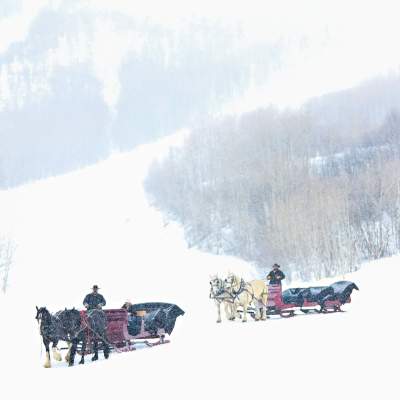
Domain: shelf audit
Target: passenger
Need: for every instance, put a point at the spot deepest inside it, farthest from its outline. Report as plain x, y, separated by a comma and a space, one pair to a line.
127, 305
276, 275
94, 300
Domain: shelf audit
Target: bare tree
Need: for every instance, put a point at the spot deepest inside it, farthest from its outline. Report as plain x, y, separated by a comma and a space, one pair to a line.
6, 257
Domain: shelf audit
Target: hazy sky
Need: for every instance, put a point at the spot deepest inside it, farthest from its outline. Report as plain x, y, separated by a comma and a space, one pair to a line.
345, 41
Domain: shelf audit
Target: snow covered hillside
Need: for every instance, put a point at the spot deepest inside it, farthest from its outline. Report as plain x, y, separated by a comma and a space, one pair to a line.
95, 226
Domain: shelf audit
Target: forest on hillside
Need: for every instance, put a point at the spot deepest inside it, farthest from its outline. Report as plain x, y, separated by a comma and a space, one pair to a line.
316, 190
62, 106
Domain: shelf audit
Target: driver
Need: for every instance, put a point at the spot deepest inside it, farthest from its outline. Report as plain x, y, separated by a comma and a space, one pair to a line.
94, 300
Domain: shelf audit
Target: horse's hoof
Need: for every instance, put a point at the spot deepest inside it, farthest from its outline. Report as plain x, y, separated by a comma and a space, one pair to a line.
95, 358
245, 320
47, 366
71, 365
82, 362
57, 357
106, 356
218, 322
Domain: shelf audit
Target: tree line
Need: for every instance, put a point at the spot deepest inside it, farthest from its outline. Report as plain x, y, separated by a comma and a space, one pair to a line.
266, 186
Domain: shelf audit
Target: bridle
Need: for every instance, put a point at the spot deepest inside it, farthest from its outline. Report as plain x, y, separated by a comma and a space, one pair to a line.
43, 316
219, 285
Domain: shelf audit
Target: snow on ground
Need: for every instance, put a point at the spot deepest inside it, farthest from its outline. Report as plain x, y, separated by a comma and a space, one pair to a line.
95, 226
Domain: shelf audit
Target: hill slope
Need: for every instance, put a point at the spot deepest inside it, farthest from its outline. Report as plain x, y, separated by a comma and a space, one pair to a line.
95, 226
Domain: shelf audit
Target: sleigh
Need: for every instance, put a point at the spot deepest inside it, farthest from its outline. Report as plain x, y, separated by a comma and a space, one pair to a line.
321, 299
146, 323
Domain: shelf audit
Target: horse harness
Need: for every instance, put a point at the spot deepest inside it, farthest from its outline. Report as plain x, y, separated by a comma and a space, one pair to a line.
233, 295
244, 287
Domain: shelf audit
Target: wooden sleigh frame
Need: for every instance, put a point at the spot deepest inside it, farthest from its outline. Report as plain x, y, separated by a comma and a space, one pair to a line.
118, 337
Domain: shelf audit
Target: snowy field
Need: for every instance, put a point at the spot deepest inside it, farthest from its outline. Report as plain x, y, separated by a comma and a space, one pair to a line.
95, 226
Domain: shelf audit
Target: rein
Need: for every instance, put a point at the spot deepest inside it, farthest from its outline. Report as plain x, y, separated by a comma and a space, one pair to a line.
85, 326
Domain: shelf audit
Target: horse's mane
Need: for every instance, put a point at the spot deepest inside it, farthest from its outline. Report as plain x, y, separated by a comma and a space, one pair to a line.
43, 312
235, 278
71, 312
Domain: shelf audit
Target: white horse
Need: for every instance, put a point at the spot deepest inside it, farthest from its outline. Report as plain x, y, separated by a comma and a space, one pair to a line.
221, 296
247, 293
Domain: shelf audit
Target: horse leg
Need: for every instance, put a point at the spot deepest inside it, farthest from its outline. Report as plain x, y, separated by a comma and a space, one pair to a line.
71, 352
245, 305
218, 304
228, 312
106, 349
56, 354
84, 341
257, 310
47, 363
96, 351
263, 314
263, 311
235, 312
264, 306
67, 356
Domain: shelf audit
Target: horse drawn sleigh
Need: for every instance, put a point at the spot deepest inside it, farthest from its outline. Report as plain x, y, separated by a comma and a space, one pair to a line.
118, 330
262, 301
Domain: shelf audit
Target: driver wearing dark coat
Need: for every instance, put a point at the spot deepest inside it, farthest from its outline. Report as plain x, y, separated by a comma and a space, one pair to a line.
276, 275
94, 300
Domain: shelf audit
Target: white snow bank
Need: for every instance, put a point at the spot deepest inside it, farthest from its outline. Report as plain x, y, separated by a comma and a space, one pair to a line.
95, 226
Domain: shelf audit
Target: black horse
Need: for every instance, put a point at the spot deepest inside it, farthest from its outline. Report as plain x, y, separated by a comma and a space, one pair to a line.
88, 329
71, 327
71, 321
95, 324
52, 331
